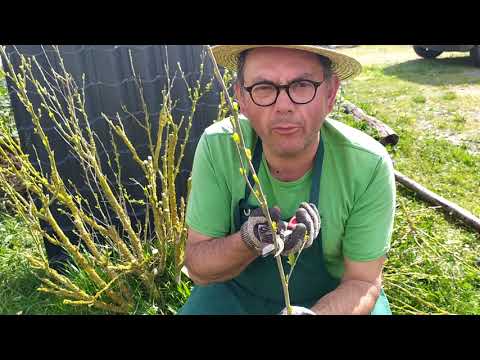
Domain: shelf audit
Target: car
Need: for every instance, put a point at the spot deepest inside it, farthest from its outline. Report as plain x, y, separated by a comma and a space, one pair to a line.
432, 51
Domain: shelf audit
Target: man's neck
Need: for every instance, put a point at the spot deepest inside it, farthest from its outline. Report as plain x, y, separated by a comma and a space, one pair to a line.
291, 168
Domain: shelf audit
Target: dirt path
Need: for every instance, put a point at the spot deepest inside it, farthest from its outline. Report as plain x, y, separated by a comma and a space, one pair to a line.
383, 54
390, 54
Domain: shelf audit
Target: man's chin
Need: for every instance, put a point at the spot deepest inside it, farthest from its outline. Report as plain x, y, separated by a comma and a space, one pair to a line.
289, 151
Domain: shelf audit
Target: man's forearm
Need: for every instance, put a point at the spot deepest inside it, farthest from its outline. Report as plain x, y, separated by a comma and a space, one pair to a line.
218, 259
352, 297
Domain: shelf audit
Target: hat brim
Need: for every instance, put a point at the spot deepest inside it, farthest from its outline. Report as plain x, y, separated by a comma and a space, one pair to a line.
344, 66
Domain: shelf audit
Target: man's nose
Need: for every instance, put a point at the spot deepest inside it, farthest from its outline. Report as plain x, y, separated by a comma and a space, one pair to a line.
284, 103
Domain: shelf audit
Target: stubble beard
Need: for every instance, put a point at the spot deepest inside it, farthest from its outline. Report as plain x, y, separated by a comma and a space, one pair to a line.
291, 152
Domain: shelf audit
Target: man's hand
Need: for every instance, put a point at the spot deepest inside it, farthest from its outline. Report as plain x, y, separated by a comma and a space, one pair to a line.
298, 310
256, 232
308, 223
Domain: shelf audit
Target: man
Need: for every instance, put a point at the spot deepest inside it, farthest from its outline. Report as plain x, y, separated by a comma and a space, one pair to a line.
337, 181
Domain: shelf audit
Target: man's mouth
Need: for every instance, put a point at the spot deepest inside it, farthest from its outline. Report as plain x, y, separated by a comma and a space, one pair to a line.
285, 129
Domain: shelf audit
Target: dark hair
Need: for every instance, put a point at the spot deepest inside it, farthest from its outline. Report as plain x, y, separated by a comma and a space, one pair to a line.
324, 61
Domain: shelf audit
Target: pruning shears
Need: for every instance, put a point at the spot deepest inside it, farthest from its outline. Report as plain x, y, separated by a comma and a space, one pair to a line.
268, 249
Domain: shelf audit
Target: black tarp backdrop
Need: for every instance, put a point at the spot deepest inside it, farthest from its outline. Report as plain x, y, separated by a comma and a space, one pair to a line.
109, 84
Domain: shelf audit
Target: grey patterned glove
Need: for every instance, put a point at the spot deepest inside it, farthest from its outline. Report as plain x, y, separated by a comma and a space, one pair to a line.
298, 310
308, 222
256, 232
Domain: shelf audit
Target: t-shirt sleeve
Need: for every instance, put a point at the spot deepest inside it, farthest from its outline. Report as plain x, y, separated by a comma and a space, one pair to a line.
369, 227
208, 206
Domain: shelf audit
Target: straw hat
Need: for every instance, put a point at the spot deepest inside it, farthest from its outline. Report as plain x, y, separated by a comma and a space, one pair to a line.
344, 66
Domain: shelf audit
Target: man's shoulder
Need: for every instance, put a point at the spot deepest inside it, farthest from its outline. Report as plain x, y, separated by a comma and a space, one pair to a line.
217, 143
340, 135
224, 128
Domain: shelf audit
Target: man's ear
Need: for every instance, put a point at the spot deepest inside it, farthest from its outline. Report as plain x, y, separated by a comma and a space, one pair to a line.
239, 95
333, 86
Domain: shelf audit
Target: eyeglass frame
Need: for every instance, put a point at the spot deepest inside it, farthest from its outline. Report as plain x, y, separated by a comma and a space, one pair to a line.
316, 85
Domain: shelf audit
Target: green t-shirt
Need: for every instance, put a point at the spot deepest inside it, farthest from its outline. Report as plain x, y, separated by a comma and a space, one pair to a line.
357, 191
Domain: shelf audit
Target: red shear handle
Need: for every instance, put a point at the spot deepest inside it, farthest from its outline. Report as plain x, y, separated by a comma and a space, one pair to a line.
292, 223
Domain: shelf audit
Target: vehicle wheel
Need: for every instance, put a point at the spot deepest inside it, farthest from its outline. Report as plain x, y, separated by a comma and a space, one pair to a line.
475, 55
426, 53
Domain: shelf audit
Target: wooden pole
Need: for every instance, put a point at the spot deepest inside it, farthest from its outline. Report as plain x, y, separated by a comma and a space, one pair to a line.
429, 196
387, 135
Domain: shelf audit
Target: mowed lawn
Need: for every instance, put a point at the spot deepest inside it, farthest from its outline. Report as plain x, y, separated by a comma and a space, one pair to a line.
433, 266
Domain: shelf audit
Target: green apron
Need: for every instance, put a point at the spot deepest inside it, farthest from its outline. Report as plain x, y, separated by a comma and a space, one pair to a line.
258, 290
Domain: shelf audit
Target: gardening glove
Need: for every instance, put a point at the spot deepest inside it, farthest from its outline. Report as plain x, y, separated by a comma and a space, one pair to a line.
307, 223
256, 232
298, 310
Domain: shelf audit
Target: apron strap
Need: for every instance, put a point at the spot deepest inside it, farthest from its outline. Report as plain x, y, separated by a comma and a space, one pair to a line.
317, 173
243, 203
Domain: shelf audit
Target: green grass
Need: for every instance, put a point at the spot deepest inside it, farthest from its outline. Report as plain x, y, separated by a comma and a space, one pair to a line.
19, 282
449, 95
431, 267
419, 99
433, 107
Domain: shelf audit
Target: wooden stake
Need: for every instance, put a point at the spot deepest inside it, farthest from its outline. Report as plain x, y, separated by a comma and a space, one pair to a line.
451, 208
388, 136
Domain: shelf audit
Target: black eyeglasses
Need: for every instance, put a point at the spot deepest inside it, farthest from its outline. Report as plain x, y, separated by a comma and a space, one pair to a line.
265, 93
